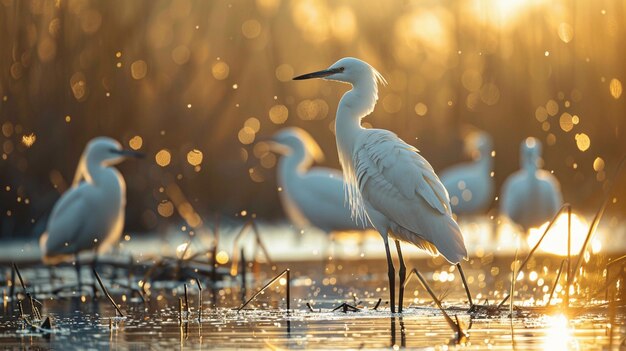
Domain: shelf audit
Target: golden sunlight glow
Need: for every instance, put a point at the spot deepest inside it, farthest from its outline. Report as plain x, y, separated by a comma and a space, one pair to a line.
558, 335
555, 241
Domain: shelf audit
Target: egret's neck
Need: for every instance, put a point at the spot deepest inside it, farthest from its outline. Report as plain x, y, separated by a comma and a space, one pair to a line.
95, 172
294, 164
354, 105
486, 162
530, 166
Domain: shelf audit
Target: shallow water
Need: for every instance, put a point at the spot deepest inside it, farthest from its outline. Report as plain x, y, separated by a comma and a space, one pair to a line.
79, 321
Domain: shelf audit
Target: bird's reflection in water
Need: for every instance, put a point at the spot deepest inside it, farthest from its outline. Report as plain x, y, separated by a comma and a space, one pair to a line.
402, 332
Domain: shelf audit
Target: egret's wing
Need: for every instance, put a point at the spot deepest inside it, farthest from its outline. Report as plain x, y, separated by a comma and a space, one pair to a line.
326, 183
397, 181
395, 167
68, 219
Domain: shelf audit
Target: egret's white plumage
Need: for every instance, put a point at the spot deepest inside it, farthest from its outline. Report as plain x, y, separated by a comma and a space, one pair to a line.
470, 184
387, 180
310, 196
90, 214
530, 196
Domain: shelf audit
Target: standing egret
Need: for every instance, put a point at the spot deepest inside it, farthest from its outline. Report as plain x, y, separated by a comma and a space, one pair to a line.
387, 181
91, 214
470, 184
310, 196
530, 196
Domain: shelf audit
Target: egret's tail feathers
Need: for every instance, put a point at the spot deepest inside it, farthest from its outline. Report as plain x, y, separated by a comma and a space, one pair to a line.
450, 243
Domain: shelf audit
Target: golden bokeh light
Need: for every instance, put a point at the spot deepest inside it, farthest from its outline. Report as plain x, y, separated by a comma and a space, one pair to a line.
583, 142
392, 103
552, 107
78, 83
421, 109
566, 122
163, 157
194, 157
165, 209
138, 69
598, 164
309, 110
181, 54
615, 87
253, 123
135, 142
246, 135
278, 114
566, 32
220, 70
29, 140
251, 29
284, 72
221, 257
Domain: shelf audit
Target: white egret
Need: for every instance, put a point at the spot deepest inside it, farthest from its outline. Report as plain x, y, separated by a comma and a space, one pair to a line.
470, 185
530, 196
387, 181
90, 215
310, 196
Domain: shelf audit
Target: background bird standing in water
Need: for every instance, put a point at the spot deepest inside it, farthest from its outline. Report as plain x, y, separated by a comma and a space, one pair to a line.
90, 215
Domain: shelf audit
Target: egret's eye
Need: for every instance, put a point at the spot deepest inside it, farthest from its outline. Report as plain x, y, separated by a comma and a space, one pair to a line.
341, 69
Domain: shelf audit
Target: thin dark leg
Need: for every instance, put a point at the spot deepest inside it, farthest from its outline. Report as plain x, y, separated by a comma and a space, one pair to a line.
94, 266
391, 273
77, 266
402, 275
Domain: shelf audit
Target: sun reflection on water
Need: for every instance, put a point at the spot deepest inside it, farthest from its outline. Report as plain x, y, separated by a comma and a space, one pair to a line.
558, 334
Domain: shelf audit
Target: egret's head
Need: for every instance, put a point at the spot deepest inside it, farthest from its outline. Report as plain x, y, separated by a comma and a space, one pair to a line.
530, 152
292, 139
478, 145
107, 151
349, 70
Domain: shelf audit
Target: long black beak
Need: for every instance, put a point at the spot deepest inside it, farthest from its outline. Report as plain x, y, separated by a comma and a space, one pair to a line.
318, 74
130, 153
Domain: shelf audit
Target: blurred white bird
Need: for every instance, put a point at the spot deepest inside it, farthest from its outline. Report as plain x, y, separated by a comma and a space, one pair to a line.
470, 184
530, 196
90, 215
310, 196
387, 180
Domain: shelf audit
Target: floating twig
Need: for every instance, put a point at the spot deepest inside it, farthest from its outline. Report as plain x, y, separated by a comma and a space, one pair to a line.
285, 272
378, 303
310, 307
345, 307
106, 293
